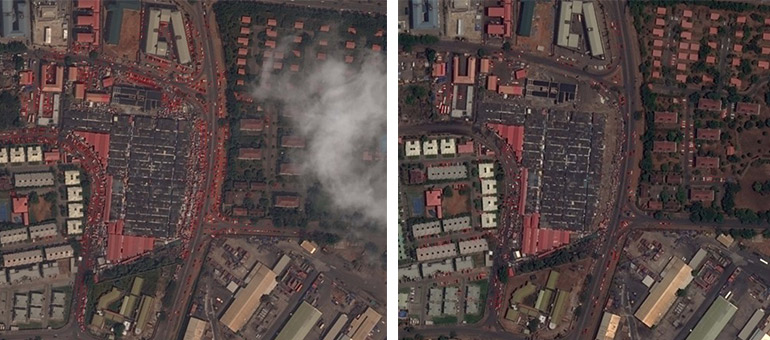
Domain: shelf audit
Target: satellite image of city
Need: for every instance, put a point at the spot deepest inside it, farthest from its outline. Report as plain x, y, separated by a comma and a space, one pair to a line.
583, 169
192, 169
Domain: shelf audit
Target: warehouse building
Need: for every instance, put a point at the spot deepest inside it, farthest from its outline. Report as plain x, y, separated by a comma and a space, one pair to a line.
361, 326
436, 252
59, 252
426, 229
438, 173
714, 321
42, 231
677, 275
473, 246
456, 224
300, 324
750, 325
33, 179
195, 329
261, 282
609, 326
22, 258
13, 235
336, 328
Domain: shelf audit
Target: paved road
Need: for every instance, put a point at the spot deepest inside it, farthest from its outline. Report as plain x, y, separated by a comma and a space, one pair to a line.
587, 323
188, 275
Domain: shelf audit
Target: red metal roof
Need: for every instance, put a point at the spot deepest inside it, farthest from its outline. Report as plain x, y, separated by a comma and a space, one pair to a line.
20, 205
538, 240
97, 97
25, 77
249, 154
433, 198
287, 201
523, 191
289, 169
85, 20
495, 12
251, 124
51, 156
465, 148
108, 200
513, 135
100, 142
292, 142
122, 247
495, 29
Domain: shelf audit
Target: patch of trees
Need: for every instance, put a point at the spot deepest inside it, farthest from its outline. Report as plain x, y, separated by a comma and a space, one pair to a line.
13, 47
323, 238
762, 188
141, 265
699, 213
728, 199
9, 110
575, 252
407, 41
744, 233
415, 94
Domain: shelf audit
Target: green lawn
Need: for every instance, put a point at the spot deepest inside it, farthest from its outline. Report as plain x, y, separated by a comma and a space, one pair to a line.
445, 320
483, 291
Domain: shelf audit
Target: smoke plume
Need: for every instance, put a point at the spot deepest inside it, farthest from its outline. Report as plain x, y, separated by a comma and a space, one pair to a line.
341, 111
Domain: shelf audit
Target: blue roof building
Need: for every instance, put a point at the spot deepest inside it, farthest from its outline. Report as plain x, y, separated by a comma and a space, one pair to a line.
15, 19
424, 14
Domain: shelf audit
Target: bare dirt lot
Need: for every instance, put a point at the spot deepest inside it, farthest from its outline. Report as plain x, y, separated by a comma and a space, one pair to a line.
40, 211
747, 197
752, 141
542, 34
129, 36
456, 204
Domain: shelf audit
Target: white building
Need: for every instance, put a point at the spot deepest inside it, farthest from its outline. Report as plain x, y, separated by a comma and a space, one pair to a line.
486, 170
74, 227
488, 220
489, 203
74, 193
412, 148
448, 146
75, 210
34, 154
17, 155
72, 177
488, 187
430, 148
4, 155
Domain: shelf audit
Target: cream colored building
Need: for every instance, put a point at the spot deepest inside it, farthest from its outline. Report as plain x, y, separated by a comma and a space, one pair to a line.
246, 301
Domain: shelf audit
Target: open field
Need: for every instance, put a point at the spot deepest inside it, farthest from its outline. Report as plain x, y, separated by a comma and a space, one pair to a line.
747, 197
40, 211
456, 204
129, 36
